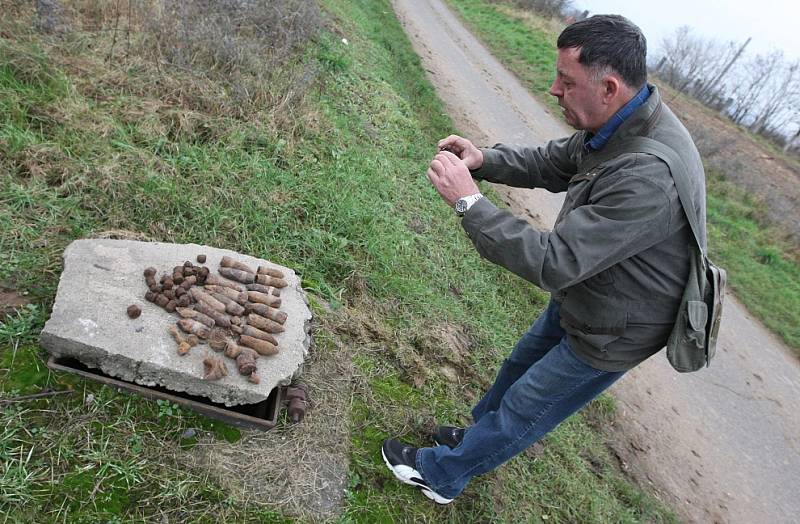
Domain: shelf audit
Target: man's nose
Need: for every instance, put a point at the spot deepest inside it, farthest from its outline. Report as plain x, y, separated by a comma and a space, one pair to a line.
555, 88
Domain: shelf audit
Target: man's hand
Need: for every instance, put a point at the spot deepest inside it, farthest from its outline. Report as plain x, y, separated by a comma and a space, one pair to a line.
463, 149
451, 178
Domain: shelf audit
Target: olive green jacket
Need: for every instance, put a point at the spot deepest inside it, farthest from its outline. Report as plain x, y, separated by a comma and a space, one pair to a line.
617, 259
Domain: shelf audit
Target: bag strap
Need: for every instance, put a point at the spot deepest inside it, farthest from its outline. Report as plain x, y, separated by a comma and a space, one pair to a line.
677, 168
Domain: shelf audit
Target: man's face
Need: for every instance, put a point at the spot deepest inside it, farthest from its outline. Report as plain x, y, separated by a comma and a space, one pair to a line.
579, 95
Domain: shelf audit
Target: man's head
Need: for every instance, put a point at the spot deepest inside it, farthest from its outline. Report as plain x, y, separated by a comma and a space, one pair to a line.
601, 65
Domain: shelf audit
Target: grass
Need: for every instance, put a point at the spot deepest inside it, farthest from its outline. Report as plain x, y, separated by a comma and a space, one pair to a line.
337, 191
763, 272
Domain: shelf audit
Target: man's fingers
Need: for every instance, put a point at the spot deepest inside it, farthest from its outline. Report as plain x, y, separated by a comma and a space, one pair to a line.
449, 141
437, 167
433, 177
450, 157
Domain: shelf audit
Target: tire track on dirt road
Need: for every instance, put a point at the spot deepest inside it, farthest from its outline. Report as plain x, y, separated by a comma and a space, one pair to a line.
722, 444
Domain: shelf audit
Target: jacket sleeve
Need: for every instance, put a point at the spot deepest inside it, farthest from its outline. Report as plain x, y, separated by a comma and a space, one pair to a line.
627, 214
549, 167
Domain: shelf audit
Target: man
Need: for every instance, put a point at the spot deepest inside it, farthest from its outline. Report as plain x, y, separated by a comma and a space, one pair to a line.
616, 262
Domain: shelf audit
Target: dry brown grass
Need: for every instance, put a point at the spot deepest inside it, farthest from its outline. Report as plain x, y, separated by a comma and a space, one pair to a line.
301, 469
764, 172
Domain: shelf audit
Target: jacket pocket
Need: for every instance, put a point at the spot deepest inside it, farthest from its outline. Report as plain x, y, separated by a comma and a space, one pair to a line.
593, 313
697, 316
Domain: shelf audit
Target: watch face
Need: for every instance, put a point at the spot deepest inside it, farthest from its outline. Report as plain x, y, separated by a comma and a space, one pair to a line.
461, 205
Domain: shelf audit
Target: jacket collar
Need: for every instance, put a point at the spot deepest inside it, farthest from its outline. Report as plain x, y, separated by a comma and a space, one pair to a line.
640, 122
599, 139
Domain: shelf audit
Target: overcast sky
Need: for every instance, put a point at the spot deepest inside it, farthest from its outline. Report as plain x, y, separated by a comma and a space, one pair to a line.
773, 26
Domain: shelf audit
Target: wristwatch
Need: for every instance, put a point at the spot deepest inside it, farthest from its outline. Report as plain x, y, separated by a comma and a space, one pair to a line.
463, 204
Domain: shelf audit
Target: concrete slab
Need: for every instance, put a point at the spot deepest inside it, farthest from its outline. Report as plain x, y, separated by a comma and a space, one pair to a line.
102, 277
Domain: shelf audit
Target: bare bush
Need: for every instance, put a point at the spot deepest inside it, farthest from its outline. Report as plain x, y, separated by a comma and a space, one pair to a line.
229, 36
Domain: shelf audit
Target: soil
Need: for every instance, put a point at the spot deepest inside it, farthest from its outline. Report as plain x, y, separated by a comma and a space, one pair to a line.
11, 301
719, 445
769, 176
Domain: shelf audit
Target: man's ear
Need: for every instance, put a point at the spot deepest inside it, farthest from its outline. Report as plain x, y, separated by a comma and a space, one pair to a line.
611, 88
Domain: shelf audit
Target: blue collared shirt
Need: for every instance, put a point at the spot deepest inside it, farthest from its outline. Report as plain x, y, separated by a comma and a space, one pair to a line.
603, 135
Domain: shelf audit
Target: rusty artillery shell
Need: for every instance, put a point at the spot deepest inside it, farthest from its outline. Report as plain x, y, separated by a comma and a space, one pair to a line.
188, 263
230, 306
264, 324
150, 272
252, 331
150, 296
171, 305
246, 361
134, 311
261, 288
201, 259
169, 294
263, 298
162, 301
261, 346
187, 312
156, 288
201, 296
238, 275
235, 264
179, 291
184, 301
214, 280
220, 319
193, 327
236, 321
218, 338
266, 311
267, 280
150, 280
264, 270
168, 283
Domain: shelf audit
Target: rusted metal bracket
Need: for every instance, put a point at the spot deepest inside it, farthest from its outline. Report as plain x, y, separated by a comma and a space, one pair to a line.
263, 415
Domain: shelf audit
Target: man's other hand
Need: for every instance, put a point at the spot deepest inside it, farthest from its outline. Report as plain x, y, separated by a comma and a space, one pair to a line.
463, 149
451, 178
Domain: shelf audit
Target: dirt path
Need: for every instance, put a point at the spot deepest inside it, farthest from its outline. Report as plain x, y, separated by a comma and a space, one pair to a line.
719, 445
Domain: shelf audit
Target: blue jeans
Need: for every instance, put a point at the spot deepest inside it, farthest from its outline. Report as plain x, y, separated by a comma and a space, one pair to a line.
538, 386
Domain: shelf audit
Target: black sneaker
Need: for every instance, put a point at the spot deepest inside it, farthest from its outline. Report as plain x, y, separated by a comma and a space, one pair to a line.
402, 460
449, 436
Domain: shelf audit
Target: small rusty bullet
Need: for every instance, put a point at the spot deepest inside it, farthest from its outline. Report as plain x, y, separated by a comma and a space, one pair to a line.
261, 346
264, 270
266, 311
235, 264
201, 259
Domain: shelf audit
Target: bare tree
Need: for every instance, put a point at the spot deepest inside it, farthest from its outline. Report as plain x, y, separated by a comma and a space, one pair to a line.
749, 84
779, 100
690, 63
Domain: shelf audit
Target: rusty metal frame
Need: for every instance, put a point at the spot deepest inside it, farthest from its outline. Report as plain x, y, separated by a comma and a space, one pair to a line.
263, 415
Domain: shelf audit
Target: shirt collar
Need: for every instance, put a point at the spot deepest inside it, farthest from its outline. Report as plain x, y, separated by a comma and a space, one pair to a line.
598, 140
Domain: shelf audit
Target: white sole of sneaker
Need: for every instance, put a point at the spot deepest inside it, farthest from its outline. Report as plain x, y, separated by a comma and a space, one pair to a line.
406, 475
